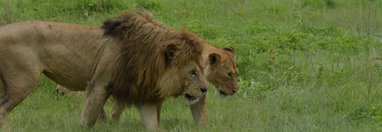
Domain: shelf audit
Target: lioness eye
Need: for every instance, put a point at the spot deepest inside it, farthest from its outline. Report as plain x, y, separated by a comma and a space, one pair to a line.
193, 73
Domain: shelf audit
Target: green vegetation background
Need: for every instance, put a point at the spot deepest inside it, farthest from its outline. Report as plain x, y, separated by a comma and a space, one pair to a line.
305, 65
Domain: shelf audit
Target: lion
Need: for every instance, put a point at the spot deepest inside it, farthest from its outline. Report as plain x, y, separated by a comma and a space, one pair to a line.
134, 59
220, 70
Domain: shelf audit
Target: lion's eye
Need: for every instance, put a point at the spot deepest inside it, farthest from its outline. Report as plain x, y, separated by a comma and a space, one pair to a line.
193, 73
229, 74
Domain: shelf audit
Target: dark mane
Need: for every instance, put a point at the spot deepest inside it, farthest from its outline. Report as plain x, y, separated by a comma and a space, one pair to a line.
131, 23
144, 55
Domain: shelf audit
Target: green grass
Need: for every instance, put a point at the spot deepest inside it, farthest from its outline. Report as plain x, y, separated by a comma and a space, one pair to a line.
305, 65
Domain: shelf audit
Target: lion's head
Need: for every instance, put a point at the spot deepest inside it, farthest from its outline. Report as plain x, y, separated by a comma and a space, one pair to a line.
222, 71
155, 62
184, 68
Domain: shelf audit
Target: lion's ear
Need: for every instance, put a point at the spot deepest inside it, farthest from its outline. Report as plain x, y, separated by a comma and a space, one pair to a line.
230, 49
170, 52
112, 27
214, 58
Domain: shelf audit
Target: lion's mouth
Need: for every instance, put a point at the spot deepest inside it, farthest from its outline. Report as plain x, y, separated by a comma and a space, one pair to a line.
222, 94
192, 99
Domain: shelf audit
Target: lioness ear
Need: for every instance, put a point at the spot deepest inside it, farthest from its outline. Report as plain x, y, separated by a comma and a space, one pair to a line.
230, 49
112, 27
170, 52
214, 58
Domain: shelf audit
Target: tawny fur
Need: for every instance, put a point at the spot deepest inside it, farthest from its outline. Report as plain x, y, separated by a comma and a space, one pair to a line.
133, 58
216, 70
138, 77
216, 74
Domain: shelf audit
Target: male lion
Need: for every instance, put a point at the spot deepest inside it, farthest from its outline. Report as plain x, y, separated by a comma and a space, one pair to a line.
132, 58
220, 70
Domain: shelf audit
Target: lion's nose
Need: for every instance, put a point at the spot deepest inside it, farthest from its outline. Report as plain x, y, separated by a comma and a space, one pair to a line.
203, 89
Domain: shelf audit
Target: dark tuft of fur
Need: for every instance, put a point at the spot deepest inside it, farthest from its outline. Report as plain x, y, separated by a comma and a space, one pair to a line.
229, 48
112, 27
128, 23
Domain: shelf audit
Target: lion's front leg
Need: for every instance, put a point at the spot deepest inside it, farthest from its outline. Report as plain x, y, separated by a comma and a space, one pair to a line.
198, 110
159, 107
117, 110
149, 115
96, 96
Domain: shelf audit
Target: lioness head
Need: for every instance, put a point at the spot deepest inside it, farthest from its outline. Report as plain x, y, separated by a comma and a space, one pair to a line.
222, 71
185, 67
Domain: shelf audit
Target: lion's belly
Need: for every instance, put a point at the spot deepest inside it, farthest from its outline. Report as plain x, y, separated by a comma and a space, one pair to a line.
70, 83
68, 68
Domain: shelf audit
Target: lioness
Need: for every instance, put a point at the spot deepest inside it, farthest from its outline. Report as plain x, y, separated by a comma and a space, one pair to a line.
221, 71
132, 58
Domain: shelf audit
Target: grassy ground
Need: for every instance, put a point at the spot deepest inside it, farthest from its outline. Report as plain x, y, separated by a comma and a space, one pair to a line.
305, 65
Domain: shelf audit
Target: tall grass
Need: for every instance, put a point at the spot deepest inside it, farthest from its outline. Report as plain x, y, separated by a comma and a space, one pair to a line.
305, 65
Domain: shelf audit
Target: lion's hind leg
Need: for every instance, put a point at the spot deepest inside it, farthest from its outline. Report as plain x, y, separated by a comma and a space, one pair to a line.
3, 98
13, 93
17, 82
3, 90
15, 90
